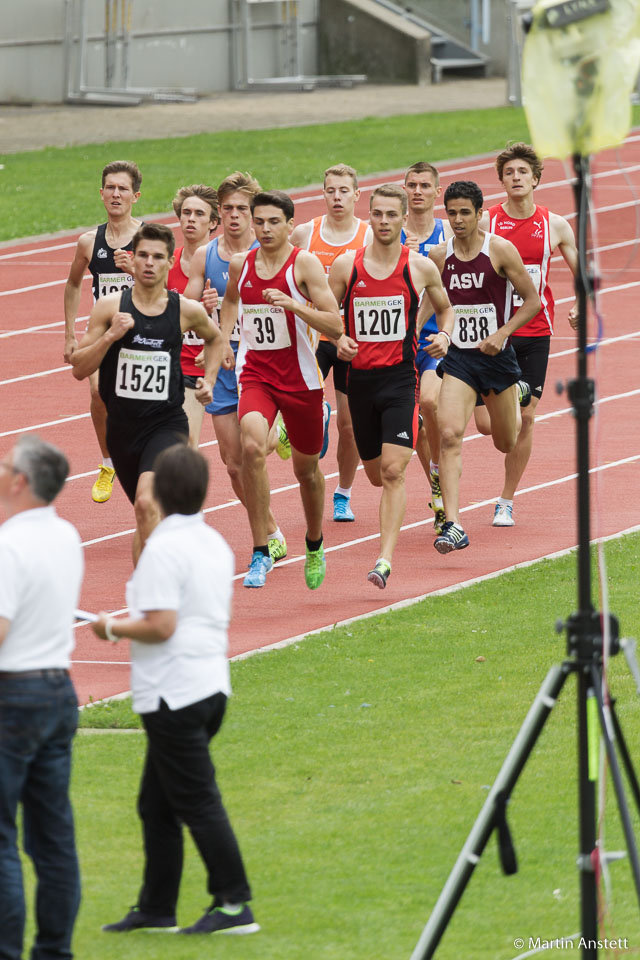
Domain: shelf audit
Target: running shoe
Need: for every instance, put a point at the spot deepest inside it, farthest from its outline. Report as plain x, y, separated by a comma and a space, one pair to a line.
258, 570
452, 537
342, 512
138, 919
103, 487
315, 566
326, 412
503, 515
237, 920
436, 502
380, 574
283, 448
277, 548
524, 393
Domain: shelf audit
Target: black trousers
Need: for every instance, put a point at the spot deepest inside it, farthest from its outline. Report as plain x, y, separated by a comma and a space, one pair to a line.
179, 786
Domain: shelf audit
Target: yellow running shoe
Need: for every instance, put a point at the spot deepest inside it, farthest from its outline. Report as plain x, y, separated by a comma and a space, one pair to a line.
103, 487
283, 448
277, 548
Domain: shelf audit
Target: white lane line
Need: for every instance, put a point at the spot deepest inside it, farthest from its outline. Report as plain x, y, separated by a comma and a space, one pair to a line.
40, 426
41, 326
401, 604
36, 286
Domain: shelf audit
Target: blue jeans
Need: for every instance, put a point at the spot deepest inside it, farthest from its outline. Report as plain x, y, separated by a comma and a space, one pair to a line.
38, 718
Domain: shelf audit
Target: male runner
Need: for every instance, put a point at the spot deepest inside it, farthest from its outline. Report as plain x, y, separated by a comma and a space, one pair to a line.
338, 231
478, 271
278, 371
380, 287
105, 252
422, 232
208, 278
196, 207
537, 233
135, 339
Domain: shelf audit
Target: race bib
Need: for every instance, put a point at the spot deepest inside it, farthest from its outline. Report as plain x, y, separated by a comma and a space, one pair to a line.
143, 374
474, 323
535, 272
192, 339
379, 318
265, 327
113, 283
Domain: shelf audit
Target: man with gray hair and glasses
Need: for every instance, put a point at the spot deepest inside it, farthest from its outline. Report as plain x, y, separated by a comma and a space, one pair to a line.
41, 570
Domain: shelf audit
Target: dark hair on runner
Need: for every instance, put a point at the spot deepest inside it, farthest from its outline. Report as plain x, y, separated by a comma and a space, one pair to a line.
155, 231
423, 167
274, 198
465, 189
124, 166
520, 151
208, 194
181, 478
45, 467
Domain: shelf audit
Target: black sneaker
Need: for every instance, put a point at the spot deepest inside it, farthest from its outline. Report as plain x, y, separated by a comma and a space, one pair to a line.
221, 920
524, 393
138, 919
452, 537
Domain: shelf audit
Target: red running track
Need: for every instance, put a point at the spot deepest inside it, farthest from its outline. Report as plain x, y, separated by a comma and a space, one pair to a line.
38, 392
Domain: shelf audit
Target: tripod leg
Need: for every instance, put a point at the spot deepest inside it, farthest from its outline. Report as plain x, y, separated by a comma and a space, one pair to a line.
608, 735
626, 756
484, 825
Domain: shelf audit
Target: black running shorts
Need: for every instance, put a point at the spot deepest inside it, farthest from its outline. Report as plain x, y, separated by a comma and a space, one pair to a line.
134, 445
384, 408
532, 354
481, 371
327, 357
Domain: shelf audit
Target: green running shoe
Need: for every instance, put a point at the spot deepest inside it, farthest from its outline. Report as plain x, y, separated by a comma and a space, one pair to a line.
277, 549
283, 449
380, 574
315, 566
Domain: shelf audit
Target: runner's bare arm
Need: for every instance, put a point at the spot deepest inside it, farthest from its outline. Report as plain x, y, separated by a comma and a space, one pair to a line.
194, 317
435, 300
563, 238
311, 279
106, 325
506, 259
195, 286
338, 279
229, 311
301, 235
73, 291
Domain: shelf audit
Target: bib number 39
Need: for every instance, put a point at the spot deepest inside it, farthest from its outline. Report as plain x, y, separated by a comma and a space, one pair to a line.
143, 375
265, 327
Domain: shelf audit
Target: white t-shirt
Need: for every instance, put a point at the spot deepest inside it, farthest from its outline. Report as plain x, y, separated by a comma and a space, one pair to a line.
188, 567
41, 567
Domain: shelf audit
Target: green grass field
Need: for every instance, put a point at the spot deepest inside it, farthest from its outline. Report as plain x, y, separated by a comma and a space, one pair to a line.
57, 189
353, 766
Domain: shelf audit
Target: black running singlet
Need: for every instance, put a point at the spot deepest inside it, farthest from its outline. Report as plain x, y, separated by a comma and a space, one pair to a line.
140, 375
106, 278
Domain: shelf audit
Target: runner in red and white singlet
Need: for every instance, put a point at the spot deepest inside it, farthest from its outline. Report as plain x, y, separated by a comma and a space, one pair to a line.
379, 287
536, 233
284, 301
196, 207
338, 231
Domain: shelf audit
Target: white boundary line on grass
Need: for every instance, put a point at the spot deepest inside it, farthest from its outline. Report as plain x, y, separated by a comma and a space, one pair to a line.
401, 605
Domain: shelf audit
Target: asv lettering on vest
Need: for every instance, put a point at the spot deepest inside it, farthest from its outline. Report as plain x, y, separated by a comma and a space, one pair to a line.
466, 281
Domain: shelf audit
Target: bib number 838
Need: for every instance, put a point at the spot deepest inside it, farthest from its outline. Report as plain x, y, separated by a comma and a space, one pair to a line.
473, 329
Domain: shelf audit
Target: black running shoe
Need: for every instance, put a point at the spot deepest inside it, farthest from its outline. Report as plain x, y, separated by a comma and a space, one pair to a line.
138, 919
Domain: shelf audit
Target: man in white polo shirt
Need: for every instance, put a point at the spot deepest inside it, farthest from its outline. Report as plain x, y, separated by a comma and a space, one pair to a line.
41, 570
179, 600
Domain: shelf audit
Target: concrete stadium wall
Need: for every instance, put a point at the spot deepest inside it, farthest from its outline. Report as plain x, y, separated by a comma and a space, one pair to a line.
172, 45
